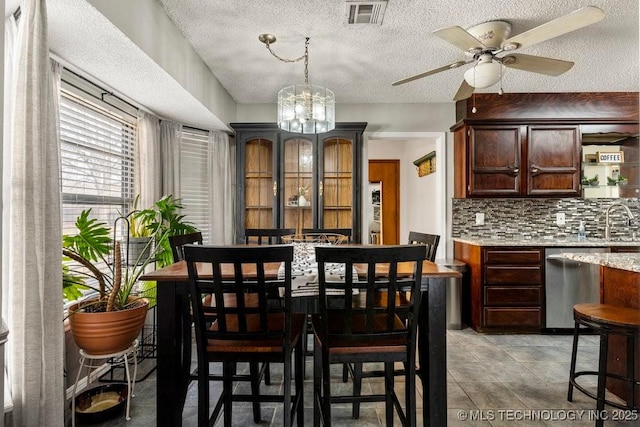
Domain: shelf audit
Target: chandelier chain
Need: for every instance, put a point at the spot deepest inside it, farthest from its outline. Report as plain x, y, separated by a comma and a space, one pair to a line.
305, 56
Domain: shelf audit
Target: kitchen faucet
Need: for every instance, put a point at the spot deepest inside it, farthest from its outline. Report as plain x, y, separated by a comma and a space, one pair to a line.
608, 225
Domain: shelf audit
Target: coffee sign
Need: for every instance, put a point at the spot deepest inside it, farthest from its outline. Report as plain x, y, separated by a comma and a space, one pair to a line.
611, 157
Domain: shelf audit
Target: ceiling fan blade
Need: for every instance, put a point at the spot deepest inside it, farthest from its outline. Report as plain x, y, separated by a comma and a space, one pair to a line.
559, 26
459, 37
537, 64
430, 72
464, 92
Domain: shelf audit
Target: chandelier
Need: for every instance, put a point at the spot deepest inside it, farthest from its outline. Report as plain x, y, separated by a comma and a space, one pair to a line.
303, 108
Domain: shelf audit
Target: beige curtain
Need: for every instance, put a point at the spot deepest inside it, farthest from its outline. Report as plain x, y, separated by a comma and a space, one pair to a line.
170, 135
148, 179
221, 194
32, 282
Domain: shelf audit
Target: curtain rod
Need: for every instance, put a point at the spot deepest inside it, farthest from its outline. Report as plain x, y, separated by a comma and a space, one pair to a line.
103, 91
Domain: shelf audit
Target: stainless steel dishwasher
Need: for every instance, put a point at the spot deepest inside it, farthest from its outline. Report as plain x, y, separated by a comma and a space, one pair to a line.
568, 283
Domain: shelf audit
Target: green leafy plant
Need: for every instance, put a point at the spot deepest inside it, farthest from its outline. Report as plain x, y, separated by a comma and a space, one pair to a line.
165, 219
590, 181
137, 227
92, 246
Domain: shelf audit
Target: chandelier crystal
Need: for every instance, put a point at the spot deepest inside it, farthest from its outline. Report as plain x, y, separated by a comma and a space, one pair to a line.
303, 108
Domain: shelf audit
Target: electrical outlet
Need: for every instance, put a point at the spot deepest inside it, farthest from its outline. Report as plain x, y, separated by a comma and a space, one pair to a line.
560, 218
479, 219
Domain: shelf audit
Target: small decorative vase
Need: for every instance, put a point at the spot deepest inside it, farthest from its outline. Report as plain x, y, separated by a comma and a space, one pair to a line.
302, 201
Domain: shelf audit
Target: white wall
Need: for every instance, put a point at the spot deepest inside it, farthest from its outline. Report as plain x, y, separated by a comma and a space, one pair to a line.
148, 26
423, 200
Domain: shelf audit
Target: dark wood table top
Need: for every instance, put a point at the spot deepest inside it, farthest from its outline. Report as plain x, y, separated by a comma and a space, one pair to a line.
178, 272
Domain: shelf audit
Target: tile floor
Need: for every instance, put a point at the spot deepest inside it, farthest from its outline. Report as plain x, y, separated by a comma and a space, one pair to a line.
500, 380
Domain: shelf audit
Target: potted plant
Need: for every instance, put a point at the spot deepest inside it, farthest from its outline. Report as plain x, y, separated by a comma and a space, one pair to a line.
139, 235
111, 321
165, 219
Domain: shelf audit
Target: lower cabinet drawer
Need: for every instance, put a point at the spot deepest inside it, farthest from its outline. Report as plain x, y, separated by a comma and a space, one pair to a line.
513, 295
517, 275
513, 317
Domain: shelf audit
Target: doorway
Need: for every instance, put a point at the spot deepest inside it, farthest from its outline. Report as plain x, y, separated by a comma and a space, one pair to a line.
423, 200
387, 172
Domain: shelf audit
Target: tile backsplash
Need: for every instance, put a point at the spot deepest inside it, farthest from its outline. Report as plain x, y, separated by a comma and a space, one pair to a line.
536, 218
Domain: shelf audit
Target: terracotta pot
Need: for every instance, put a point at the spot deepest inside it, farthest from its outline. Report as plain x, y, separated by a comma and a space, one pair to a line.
107, 332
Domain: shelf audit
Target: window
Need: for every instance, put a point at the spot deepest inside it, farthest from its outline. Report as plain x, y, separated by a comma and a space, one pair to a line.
97, 135
97, 143
97, 154
195, 179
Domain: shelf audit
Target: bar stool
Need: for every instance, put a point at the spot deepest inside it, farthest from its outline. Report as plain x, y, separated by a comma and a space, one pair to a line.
86, 360
605, 320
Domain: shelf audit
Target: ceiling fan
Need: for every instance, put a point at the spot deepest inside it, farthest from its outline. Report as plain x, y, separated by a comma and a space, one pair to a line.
482, 43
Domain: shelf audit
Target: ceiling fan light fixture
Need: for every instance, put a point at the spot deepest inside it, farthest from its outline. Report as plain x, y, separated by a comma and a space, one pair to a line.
483, 74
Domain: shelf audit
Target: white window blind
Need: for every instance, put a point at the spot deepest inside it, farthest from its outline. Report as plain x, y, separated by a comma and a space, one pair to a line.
97, 154
195, 179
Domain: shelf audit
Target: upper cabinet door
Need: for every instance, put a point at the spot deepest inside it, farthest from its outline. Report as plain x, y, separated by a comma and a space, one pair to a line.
260, 183
299, 183
553, 164
495, 160
336, 188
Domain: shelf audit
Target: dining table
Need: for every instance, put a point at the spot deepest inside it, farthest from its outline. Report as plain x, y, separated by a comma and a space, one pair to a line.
174, 333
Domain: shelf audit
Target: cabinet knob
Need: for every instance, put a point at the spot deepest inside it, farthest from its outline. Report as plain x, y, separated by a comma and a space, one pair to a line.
275, 188
516, 170
534, 170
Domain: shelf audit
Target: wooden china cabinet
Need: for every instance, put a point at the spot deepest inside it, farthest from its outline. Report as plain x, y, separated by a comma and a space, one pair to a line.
293, 180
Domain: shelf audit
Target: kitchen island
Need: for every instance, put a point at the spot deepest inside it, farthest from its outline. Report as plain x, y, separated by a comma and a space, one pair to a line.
619, 286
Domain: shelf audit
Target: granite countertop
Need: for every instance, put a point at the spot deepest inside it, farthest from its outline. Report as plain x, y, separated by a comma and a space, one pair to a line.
622, 261
552, 242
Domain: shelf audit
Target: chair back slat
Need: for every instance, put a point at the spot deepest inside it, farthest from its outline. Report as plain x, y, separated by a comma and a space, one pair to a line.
241, 289
371, 307
266, 236
430, 240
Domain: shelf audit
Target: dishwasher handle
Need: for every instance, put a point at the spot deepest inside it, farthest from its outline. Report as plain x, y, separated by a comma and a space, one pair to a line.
560, 258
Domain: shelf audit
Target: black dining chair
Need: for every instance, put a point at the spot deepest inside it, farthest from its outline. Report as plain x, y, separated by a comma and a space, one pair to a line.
245, 332
430, 240
266, 236
178, 241
415, 238
367, 322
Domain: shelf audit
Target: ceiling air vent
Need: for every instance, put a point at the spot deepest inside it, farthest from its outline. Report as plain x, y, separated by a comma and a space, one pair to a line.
365, 12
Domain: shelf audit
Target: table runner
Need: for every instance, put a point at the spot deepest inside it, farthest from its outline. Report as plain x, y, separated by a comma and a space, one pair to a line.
304, 272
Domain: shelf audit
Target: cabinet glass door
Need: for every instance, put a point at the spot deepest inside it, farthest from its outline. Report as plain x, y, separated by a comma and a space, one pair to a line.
260, 185
298, 188
336, 185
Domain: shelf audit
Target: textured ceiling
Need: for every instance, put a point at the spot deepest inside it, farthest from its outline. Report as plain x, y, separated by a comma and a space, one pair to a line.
360, 62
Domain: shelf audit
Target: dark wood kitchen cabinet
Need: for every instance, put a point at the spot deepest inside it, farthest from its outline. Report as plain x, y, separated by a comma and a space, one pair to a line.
292, 180
529, 144
516, 160
505, 292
